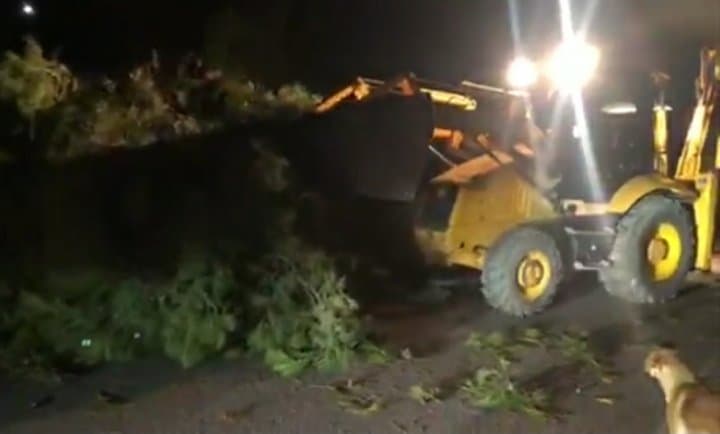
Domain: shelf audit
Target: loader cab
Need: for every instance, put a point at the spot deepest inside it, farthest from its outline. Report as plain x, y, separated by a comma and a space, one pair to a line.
618, 145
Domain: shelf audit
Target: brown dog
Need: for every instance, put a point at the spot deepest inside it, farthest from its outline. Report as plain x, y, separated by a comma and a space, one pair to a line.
690, 408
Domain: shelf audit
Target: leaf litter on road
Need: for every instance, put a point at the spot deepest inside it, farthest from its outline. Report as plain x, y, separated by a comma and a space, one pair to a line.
532, 336
494, 388
605, 400
574, 346
424, 395
496, 343
356, 399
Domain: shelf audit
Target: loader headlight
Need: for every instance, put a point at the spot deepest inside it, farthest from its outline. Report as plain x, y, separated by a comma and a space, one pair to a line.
572, 65
522, 73
27, 9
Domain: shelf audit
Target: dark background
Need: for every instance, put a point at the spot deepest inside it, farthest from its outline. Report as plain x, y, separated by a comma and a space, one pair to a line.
329, 41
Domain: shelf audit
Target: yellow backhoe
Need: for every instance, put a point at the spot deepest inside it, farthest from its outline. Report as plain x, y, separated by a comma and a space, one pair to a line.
489, 202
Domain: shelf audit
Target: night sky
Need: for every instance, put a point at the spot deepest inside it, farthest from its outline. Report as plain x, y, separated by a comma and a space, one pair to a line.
332, 41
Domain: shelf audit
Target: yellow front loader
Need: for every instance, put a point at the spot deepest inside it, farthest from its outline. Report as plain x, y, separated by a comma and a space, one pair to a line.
488, 203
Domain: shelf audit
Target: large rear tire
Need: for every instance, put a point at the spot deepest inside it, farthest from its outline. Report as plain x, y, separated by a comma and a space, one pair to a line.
522, 272
652, 253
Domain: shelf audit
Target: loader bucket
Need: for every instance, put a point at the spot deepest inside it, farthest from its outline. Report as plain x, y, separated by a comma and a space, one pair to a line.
376, 148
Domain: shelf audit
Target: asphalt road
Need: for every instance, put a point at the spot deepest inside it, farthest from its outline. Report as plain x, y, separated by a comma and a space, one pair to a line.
240, 396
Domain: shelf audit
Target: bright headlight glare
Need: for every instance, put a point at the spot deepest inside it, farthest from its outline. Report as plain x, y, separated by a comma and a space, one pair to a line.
522, 73
27, 9
573, 65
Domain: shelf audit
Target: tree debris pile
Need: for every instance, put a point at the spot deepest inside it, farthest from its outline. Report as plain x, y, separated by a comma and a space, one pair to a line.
70, 117
89, 320
282, 298
308, 318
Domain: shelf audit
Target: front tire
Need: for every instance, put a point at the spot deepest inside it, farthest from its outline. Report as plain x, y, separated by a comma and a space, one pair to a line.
652, 253
522, 272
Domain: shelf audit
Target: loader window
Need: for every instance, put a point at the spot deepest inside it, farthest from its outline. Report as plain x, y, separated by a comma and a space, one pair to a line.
621, 148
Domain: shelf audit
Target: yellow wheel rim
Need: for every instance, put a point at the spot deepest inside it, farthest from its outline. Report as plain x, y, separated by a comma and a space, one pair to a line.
533, 275
663, 252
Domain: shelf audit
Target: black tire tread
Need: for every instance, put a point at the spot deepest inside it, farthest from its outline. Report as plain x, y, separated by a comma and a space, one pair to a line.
620, 280
498, 271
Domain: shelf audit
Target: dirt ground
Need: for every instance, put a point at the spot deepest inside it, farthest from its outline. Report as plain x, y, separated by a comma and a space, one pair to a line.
240, 396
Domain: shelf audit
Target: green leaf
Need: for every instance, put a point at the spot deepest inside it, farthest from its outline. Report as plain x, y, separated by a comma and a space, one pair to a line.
283, 364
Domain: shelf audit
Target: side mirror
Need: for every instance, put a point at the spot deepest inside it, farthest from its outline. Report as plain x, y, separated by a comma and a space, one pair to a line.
620, 108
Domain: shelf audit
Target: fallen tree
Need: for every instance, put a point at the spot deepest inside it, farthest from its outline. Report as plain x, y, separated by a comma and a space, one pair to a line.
264, 288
